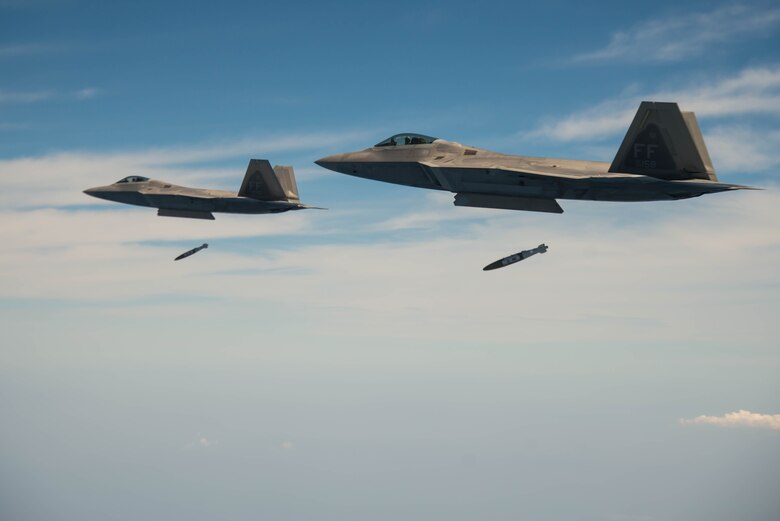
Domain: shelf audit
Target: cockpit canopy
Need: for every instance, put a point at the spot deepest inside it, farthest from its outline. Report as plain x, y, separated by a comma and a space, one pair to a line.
406, 139
133, 179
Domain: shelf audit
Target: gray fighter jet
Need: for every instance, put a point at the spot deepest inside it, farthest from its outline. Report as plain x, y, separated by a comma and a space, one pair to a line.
663, 157
264, 190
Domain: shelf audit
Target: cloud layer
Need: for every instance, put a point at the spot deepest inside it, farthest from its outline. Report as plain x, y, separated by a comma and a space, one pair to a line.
752, 91
614, 271
739, 418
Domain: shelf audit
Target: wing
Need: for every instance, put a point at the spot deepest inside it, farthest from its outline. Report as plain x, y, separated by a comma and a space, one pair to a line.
191, 214
507, 202
480, 184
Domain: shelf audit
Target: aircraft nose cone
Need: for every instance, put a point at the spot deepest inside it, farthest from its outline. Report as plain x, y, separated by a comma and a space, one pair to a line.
98, 191
330, 161
341, 163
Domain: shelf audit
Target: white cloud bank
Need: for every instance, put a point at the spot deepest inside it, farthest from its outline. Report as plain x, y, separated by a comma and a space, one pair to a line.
739, 418
614, 271
752, 91
679, 37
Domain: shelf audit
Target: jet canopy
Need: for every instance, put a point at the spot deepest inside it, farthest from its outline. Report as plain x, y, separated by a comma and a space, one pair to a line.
133, 179
406, 139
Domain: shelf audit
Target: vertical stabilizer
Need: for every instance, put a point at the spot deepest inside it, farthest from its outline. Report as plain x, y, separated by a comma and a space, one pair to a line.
665, 143
264, 183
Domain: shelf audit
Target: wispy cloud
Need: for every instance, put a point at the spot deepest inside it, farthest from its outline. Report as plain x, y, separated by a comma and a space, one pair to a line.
753, 91
200, 443
4, 125
22, 97
59, 178
24, 49
87, 93
431, 213
37, 96
741, 148
739, 418
682, 36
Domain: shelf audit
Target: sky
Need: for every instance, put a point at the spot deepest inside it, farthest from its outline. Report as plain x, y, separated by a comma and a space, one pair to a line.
357, 363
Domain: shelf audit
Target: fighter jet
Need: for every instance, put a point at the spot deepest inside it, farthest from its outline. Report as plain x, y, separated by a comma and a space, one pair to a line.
264, 190
662, 157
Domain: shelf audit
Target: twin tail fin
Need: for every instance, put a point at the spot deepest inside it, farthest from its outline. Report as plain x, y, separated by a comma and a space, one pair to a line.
264, 183
664, 143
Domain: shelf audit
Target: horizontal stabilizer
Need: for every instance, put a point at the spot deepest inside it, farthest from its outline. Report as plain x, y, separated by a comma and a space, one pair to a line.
264, 183
191, 214
505, 202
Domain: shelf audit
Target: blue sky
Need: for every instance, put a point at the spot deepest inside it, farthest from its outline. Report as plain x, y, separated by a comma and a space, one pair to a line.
357, 363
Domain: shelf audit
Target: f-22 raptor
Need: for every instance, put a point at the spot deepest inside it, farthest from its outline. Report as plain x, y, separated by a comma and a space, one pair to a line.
662, 157
264, 190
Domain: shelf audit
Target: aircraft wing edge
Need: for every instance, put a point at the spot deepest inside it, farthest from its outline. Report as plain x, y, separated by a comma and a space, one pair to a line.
507, 202
191, 214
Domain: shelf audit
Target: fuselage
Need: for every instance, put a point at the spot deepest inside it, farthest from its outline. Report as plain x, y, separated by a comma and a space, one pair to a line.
425, 162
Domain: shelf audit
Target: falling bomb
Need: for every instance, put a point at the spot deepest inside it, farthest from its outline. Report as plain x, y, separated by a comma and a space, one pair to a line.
517, 257
191, 252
